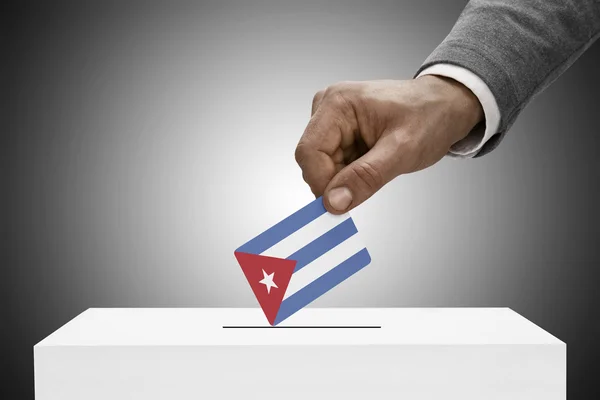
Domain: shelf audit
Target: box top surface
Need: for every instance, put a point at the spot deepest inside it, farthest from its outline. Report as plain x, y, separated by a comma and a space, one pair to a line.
311, 326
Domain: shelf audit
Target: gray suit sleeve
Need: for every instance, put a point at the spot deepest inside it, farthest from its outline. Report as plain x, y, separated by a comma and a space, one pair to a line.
518, 48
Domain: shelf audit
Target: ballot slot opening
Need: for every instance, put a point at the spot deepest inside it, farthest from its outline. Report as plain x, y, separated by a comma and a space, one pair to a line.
302, 327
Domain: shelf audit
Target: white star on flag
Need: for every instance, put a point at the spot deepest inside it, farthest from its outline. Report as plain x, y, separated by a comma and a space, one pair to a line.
268, 281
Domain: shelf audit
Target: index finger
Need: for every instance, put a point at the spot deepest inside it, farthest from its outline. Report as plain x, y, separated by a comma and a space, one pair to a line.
318, 152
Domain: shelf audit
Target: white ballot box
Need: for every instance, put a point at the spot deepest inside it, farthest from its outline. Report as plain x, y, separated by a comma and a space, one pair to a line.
344, 353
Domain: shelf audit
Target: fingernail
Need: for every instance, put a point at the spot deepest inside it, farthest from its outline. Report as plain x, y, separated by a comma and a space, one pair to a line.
340, 198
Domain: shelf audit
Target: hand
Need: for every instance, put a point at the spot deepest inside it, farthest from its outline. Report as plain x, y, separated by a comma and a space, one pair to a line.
364, 134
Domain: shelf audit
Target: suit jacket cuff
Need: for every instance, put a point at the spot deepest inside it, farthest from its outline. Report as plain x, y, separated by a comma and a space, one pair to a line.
472, 144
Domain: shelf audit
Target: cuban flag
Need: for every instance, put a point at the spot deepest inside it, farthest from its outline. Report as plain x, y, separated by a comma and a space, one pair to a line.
301, 258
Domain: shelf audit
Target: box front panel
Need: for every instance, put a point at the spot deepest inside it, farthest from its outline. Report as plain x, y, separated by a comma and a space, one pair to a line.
512, 372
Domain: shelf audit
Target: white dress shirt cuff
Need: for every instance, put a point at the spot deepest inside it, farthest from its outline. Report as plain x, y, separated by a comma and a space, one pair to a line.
470, 146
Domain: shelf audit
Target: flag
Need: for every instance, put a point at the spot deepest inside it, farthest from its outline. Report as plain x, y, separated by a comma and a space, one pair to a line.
301, 258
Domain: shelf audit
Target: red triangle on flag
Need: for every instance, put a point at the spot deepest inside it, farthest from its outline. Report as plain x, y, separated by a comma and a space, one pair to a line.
269, 278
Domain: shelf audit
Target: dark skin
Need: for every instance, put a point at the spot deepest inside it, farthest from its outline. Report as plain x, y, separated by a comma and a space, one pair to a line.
362, 135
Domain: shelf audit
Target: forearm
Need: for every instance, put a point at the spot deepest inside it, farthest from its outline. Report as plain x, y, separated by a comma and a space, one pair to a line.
518, 47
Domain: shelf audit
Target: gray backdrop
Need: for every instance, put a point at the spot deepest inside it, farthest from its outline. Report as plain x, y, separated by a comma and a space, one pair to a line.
143, 142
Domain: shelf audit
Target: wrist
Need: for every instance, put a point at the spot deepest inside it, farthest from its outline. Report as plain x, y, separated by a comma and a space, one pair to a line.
460, 102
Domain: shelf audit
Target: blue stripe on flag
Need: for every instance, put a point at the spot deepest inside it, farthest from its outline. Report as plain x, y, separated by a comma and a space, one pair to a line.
323, 284
323, 244
285, 228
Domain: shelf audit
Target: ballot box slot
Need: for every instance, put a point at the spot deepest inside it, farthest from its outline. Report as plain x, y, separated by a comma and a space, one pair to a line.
303, 327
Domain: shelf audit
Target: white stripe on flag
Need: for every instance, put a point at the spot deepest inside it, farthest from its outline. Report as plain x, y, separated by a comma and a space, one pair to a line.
324, 264
305, 235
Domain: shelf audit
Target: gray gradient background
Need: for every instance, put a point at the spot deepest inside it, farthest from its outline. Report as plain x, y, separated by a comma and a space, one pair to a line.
143, 143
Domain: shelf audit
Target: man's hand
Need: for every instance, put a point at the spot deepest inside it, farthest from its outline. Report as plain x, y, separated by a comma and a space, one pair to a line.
364, 134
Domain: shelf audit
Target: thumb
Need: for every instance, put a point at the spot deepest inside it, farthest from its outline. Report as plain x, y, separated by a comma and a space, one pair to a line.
358, 181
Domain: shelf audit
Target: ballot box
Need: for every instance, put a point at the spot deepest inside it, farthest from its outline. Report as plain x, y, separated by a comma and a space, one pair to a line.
333, 353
